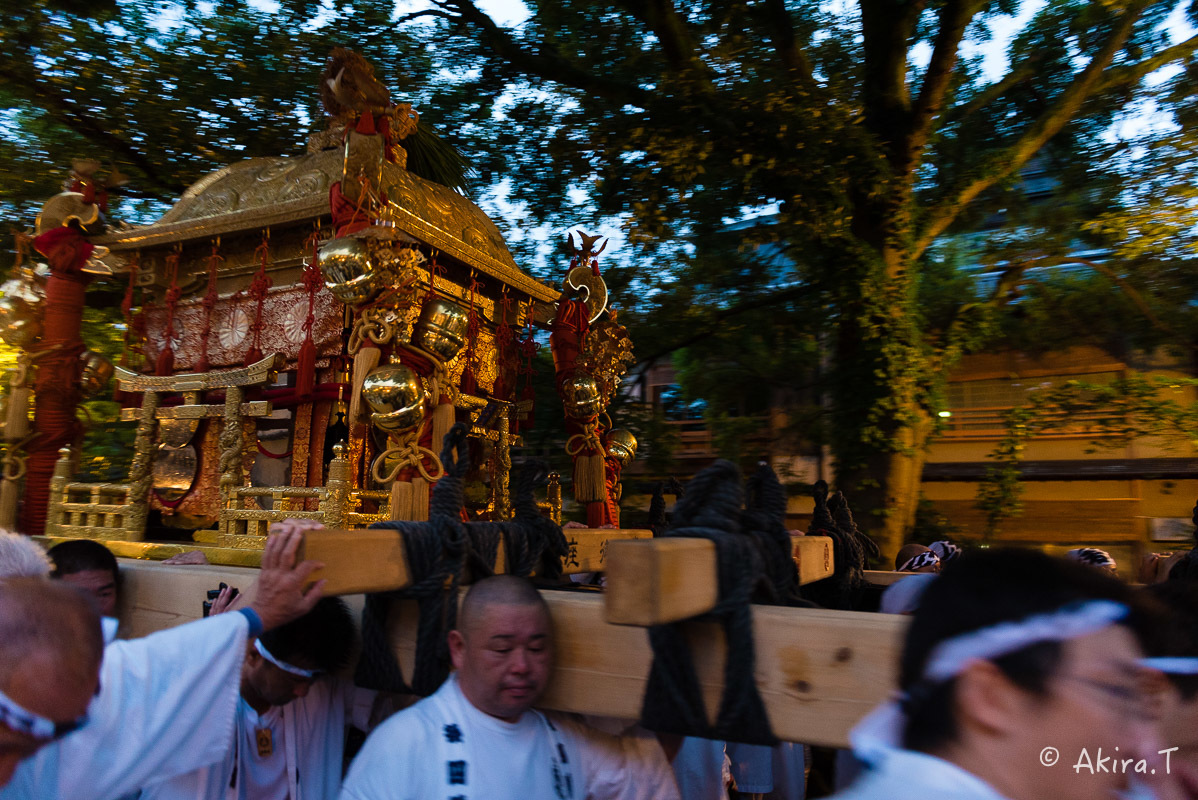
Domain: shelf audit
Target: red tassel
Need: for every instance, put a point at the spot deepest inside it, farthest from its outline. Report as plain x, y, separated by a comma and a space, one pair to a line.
165, 365
366, 124
305, 371
597, 515
530, 418
469, 382
253, 356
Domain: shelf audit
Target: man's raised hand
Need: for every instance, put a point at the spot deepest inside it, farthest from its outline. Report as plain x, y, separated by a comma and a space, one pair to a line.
280, 596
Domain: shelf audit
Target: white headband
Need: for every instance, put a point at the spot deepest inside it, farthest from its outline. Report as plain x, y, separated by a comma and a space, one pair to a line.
952, 655
882, 728
919, 561
299, 672
1172, 665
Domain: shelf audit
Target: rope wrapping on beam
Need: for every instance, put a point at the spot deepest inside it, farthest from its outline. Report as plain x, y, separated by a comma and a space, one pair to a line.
442, 553
746, 540
659, 520
846, 588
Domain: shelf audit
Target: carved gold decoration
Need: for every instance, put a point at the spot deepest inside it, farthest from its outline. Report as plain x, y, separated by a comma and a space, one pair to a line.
454, 225
256, 408
141, 478
606, 355
378, 325
68, 207
264, 371
21, 299
257, 183
592, 288
356, 268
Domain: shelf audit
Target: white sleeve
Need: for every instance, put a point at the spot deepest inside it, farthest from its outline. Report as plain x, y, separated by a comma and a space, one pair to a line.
386, 768
628, 767
166, 706
359, 705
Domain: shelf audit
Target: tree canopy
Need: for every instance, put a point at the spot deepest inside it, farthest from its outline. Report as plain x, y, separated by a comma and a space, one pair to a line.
865, 133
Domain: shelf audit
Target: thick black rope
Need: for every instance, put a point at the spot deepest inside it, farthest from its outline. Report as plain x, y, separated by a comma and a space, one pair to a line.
441, 553
839, 505
673, 702
850, 549
765, 519
659, 520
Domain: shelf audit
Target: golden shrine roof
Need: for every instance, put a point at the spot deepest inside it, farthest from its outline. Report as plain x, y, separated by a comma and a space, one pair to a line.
272, 192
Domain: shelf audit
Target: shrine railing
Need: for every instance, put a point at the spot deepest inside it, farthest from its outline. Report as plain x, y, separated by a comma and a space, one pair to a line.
88, 510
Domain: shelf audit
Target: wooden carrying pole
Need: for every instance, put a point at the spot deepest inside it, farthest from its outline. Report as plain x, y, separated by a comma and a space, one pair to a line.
373, 559
666, 580
819, 672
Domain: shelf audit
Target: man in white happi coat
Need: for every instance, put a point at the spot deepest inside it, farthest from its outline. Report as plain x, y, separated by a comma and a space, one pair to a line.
71, 727
1016, 668
292, 715
479, 738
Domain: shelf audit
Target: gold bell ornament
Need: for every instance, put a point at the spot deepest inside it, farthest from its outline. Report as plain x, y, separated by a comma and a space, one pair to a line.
96, 372
621, 445
397, 396
441, 329
441, 332
350, 271
580, 396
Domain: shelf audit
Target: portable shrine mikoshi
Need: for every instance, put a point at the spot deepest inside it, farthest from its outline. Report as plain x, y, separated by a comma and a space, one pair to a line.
287, 305
303, 333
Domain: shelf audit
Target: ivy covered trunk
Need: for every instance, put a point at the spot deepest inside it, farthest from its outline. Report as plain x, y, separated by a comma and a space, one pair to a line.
885, 378
884, 491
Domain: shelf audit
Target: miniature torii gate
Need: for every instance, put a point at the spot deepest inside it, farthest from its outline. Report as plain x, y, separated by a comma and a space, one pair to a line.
818, 671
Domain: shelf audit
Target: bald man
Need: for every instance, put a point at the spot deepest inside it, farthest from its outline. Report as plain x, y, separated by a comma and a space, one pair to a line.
48, 673
479, 735
166, 703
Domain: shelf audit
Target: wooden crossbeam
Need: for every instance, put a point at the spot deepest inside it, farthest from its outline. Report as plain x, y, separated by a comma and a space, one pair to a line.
818, 671
255, 374
671, 579
880, 577
374, 559
813, 557
256, 408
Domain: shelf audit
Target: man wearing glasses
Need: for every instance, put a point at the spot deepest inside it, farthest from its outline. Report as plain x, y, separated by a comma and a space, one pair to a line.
1016, 668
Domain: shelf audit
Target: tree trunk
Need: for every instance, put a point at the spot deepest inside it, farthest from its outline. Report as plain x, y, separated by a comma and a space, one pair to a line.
881, 426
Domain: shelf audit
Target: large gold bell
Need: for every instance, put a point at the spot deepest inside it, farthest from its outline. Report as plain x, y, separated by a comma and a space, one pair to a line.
397, 396
97, 370
349, 270
441, 329
621, 445
20, 323
580, 396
